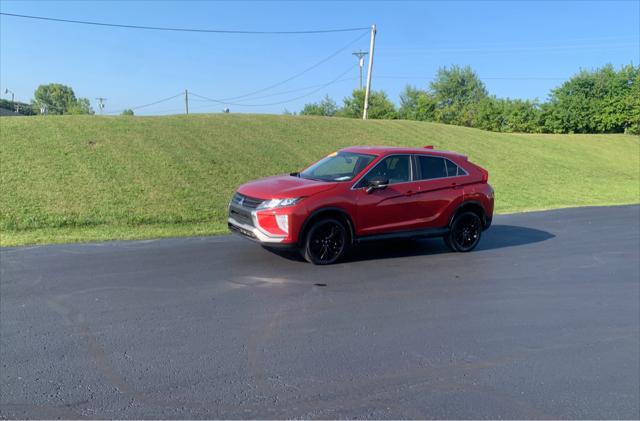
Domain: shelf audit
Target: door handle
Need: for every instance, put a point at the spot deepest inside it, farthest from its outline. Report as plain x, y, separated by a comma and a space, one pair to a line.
409, 193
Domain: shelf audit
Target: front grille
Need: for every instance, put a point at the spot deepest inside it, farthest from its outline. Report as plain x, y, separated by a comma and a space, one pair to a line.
241, 207
245, 201
242, 231
240, 214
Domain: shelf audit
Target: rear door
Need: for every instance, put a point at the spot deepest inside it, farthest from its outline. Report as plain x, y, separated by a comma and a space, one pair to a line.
393, 208
440, 188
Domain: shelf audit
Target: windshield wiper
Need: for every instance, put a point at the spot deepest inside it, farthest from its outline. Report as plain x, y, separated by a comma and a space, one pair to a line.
312, 178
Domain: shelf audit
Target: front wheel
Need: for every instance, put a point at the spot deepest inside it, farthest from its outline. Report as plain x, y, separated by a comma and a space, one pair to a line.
465, 232
325, 242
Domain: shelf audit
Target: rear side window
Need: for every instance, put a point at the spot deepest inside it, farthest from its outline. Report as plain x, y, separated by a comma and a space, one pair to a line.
437, 167
432, 167
454, 170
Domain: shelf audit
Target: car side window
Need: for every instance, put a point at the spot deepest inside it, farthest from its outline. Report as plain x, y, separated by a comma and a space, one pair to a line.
395, 168
432, 167
454, 170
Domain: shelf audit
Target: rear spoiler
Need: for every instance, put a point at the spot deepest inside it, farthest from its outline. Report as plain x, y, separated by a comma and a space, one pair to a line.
465, 157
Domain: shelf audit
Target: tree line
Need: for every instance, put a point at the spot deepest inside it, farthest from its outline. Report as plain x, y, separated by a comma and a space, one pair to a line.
53, 98
604, 100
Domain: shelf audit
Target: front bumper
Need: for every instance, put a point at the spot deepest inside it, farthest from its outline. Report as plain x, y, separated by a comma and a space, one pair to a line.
252, 233
245, 221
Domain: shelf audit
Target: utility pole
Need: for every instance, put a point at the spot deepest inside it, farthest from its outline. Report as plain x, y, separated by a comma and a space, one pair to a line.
365, 114
186, 101
101, 103
17, 106
360, 55
8, 91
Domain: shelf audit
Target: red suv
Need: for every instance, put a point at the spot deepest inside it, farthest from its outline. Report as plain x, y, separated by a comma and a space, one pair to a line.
366, 193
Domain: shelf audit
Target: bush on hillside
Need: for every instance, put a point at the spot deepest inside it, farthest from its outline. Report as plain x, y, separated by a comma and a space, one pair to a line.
380, 106
326, 108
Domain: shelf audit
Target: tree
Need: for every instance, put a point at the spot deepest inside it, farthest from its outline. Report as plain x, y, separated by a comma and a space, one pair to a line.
416, 104
457, 91
128, 111
81, 106
56, 97
380, 106
327, 108
522, 116
599, 101
490, 114
632, 104
60, 99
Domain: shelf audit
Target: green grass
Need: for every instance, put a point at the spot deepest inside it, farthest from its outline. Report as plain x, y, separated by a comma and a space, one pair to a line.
82, 178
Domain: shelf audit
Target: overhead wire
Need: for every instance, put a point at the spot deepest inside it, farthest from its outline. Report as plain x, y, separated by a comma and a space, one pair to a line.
515, 49
482, 78
308, 69
297, 89
173, 29
223, 102
147, 105
207, 99
228, 100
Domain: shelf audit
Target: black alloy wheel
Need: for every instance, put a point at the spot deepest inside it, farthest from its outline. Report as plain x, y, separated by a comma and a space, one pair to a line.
325, 242
465, 232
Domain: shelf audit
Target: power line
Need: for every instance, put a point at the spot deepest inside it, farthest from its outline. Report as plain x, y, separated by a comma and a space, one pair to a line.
252, 94
162, 28
206, 99
308, 69
148, 105
480, 77
156, 102
335, 80
288, 91
524, 49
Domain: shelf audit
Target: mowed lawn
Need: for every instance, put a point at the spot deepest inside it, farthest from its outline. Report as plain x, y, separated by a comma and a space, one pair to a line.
83, 178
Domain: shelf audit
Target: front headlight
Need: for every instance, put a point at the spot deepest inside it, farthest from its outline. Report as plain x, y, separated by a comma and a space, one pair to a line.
278, 203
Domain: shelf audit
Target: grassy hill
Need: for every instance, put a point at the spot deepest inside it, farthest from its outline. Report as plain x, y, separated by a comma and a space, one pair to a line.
80, 178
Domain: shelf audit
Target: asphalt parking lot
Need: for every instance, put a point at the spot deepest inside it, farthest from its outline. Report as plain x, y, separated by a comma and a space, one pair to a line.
541, 321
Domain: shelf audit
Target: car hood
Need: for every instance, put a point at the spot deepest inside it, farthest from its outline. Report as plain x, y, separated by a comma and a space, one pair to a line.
284, 186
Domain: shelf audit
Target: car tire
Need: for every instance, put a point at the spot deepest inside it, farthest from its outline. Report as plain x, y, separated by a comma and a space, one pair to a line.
464, 233
325, 242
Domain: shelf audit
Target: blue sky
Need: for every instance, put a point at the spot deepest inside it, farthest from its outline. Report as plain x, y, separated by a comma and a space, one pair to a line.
519, 49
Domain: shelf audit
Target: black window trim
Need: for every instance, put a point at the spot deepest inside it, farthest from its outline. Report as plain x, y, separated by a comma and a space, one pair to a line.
419, 169
383, 157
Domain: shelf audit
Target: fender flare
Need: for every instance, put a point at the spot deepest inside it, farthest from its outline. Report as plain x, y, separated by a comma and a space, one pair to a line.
328, 209
474, 203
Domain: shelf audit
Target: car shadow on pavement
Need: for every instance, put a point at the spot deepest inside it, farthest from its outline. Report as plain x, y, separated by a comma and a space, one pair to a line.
496, 237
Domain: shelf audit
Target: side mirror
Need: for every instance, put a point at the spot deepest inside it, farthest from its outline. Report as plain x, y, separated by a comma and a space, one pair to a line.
376, 183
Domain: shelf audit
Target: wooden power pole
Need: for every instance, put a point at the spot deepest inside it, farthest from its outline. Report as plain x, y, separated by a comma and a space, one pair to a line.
365, 114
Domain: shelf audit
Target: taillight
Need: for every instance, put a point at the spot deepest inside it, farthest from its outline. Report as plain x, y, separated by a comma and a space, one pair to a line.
485, 175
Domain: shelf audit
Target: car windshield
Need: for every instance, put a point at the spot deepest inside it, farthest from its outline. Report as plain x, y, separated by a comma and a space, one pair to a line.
339, 166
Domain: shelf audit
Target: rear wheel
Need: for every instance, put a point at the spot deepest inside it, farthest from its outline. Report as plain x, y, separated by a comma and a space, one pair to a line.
325, 242
465, 232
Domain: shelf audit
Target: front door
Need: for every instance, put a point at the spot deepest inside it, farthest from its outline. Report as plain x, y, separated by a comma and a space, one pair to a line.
389, 209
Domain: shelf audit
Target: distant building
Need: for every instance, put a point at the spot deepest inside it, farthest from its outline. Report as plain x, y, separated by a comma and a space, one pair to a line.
8, 113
